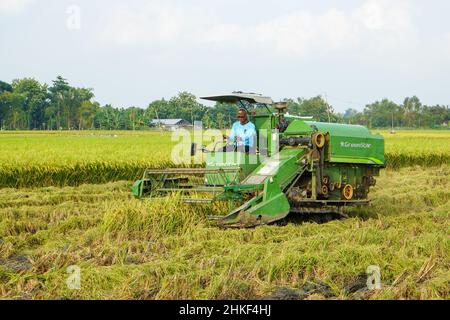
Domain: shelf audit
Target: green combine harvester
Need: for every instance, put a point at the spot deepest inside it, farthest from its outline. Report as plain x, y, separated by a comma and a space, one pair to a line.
300, 167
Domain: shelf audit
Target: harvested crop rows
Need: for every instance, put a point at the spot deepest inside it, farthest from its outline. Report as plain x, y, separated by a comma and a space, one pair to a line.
160, 249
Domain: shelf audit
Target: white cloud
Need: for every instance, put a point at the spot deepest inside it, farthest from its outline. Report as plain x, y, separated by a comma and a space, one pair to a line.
155, 22
386, 25
301, 33
378, 24
385, 15
14, 6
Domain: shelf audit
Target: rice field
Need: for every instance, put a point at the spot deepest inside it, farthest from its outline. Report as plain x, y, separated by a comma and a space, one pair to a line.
160, 249
417, 147
74, 158
71, 158
65, 201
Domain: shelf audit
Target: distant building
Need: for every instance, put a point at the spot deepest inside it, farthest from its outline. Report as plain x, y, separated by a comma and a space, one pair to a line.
170, 124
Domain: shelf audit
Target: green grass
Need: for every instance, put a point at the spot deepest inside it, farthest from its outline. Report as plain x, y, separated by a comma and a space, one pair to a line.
71, 158
161, 249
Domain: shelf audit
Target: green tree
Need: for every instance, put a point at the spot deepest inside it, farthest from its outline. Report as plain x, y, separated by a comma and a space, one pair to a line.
5, 91
412, 111
14, 116
34, 100
207, 121
318, 108
59, 95
5, 87
380, 113
66, 103
185, 106
220, 121
160, 109
80, 99
293, 107
227, 114
435, 116
86, 114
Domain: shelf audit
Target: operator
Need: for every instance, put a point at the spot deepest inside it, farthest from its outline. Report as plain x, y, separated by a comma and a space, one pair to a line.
243, 135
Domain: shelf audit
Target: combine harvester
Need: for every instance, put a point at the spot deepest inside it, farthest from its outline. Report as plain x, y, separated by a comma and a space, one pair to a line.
300, 167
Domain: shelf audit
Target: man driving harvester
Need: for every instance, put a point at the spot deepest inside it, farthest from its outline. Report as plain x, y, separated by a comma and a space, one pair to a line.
243, 135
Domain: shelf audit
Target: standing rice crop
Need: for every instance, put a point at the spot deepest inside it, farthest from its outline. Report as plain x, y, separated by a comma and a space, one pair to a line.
29, 159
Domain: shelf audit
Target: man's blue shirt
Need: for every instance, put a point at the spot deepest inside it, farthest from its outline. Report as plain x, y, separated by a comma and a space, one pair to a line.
246, 132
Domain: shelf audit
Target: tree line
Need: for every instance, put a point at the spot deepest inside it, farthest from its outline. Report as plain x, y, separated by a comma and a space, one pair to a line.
27, 104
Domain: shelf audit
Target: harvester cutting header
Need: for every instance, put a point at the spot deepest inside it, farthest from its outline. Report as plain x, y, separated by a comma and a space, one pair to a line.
298, 166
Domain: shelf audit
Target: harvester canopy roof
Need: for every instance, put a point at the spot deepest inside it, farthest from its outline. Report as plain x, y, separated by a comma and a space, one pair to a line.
240, 96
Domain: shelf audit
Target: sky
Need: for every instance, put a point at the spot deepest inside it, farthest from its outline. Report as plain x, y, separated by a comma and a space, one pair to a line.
133, 52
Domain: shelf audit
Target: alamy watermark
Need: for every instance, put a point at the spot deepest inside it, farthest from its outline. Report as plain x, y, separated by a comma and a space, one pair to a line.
213, 141
73, 280
73, 20
374, 277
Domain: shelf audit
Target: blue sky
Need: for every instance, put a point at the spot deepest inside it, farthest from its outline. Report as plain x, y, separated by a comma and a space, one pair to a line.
132, 52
